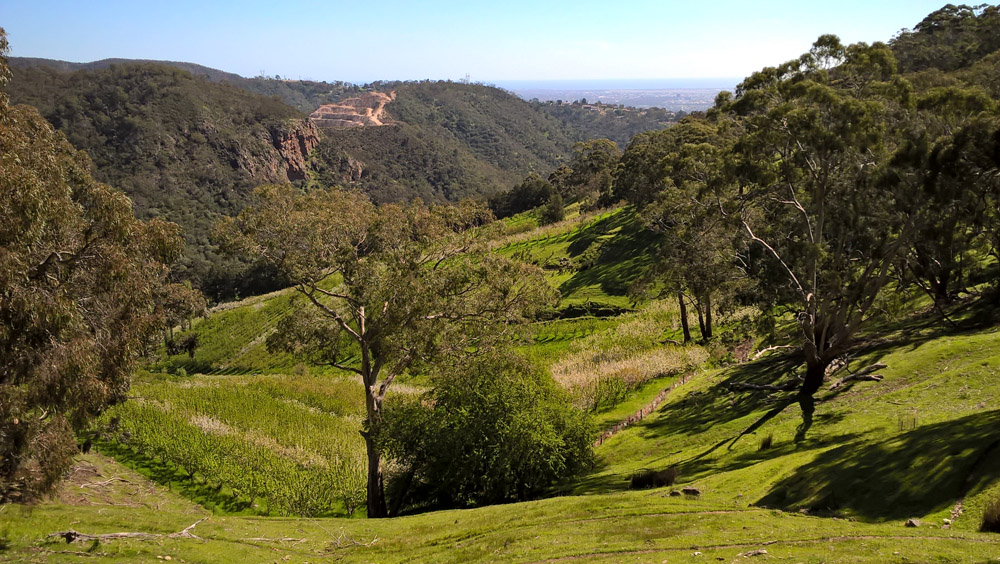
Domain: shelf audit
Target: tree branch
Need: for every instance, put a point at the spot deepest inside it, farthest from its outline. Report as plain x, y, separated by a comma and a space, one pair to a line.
72, 536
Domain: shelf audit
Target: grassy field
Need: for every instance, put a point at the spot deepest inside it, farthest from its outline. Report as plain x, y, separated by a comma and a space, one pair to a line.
269, 444
631, 526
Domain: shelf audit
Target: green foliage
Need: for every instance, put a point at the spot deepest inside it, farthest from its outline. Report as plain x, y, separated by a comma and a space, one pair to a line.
593, 166
449, 141
410, 284
948, 39
617, 123
554, 211
532, 192
183, 149
493, 429
78, 279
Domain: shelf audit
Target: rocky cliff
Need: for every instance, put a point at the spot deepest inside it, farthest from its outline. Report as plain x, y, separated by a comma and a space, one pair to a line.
294, 140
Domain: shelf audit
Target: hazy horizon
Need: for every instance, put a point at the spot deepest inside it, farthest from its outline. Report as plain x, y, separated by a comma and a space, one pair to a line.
519, 41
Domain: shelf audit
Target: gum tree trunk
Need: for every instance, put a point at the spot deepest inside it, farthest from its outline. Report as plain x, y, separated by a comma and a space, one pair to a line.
684, 318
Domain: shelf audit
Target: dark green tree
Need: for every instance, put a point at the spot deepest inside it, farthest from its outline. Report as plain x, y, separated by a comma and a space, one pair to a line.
593, 167
493, 429
814, 138
700, 241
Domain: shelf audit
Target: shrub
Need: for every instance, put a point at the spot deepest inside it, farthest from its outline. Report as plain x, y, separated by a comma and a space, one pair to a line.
644, 479
991, 517
494, 430
767, 442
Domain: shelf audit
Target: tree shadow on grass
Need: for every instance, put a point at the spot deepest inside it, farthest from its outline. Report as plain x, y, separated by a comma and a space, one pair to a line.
209, 496
623, 255
912, 474
719, 404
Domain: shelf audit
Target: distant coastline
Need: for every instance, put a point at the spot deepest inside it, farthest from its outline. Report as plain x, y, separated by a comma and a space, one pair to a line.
673, 94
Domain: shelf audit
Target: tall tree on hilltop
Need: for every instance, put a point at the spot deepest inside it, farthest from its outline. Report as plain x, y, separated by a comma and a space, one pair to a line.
79, 275
813, 142
390, 286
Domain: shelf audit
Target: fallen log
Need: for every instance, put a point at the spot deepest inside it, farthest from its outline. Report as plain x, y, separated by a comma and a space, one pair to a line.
72, 536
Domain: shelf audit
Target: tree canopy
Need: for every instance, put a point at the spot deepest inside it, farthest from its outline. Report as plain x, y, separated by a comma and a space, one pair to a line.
79, 276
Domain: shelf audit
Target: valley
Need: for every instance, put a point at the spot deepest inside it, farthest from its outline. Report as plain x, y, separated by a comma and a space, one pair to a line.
273, 320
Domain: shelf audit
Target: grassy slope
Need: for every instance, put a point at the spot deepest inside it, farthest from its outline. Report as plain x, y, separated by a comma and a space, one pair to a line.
644, 526
919, 444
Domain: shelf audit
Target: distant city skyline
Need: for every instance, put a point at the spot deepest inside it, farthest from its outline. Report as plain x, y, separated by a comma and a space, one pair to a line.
501, 43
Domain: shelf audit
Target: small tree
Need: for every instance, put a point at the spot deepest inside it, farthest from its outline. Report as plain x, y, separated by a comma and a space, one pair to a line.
391, 286
553, 211
593, 167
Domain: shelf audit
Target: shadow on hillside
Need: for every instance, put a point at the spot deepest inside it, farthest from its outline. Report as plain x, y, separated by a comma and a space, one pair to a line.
622, 256
699, 411
720, 404
912, 474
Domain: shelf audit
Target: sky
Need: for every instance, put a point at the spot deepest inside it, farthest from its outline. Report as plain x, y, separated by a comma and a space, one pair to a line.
491, 41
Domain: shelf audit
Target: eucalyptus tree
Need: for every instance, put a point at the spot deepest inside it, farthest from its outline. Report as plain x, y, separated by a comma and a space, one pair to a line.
677, 179
79, 277
950, 210
385, 288
814, 140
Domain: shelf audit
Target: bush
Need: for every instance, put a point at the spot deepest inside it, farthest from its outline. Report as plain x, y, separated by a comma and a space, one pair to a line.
767, 442
492, 431
644, 479
991, 517
554, 211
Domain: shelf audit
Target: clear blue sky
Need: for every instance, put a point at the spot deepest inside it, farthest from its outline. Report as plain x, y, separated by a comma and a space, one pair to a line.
493, 41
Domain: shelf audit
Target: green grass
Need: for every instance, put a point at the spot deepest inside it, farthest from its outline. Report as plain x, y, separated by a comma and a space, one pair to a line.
912, 445
643, 526
282, 444
921, 443
591, 260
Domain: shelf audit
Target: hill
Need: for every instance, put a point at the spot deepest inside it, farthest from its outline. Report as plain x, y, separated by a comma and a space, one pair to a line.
182, 148
445, 141
916, 445
188, 143
303, 95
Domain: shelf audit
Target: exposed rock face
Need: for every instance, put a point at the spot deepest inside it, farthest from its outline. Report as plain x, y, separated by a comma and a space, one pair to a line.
294, 140
366, 110
351, 168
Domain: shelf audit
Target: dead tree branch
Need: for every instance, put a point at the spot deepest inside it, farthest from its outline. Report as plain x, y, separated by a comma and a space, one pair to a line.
72, 536
863, 375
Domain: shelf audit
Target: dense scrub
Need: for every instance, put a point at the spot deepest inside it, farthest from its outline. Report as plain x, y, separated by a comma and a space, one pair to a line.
183, 149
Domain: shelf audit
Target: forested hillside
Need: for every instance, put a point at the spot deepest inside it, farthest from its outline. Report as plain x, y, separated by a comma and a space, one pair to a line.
183, 149
617, 123
187, 143
449, 141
